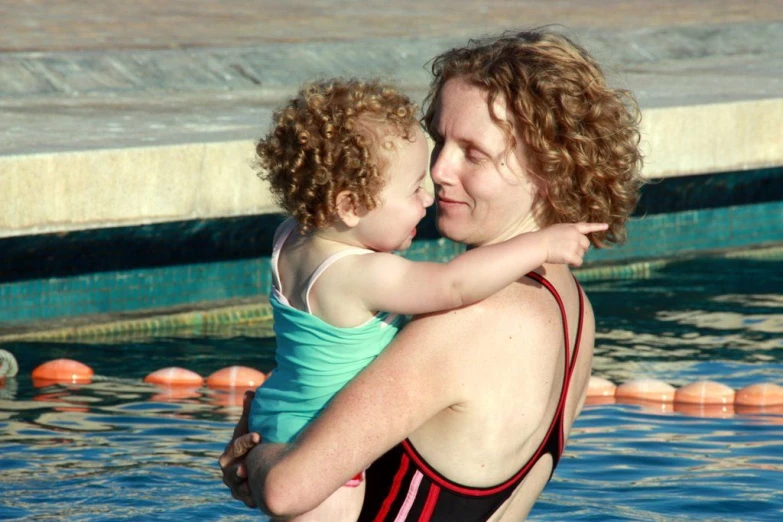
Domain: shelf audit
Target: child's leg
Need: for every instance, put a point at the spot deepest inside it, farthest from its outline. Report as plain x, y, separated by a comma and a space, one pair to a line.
344, 505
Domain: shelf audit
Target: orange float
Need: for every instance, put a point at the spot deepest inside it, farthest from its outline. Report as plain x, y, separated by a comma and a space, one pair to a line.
705, 392
175, 376
66, 371
236, 377
600, 387
760, 395
599, 400
645, 390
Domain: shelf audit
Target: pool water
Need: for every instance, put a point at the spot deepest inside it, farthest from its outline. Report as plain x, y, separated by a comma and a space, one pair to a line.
118, 449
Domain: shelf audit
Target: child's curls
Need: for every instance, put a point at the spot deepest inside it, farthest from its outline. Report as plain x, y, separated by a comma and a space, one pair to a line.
327, 140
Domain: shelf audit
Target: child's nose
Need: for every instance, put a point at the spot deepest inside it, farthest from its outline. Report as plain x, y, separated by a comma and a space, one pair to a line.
426, 199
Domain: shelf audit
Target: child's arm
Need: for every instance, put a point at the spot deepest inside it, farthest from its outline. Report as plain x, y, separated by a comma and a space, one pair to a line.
391, 283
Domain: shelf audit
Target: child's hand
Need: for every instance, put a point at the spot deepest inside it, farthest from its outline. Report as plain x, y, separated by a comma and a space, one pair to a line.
567, 242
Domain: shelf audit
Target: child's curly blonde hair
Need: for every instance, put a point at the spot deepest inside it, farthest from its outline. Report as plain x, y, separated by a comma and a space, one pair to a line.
327, 140
581, 136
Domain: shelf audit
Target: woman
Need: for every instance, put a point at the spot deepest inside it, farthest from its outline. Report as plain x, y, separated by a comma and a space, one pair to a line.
465, 415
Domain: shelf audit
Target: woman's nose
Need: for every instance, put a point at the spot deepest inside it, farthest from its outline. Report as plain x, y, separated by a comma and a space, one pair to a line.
439, 170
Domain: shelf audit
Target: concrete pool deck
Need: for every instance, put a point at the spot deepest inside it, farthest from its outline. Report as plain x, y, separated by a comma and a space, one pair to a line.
139, 113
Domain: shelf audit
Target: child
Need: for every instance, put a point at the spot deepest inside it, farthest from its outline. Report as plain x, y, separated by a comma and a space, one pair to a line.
347, 160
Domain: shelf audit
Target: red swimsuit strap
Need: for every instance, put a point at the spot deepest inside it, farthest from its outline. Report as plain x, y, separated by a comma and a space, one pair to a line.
557, 420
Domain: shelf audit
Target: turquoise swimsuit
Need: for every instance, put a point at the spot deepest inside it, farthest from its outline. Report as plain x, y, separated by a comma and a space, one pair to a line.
314, 359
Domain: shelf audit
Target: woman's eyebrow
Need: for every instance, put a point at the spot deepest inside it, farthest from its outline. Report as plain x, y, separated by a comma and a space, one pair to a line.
463, 141
468, 143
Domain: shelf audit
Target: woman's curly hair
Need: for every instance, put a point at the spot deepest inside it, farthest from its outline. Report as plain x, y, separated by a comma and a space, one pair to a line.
581, 136
327, 140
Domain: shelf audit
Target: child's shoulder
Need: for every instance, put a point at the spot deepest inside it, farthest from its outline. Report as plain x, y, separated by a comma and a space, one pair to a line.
355, 260
353, 265
285, 228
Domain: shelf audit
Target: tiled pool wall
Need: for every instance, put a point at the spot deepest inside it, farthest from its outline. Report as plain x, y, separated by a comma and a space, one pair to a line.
50, 279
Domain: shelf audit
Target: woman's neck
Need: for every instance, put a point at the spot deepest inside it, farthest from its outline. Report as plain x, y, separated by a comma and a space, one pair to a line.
526, 225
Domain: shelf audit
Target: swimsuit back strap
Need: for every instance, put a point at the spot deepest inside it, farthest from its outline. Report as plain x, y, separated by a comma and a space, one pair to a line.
578, 326
329, 261
283, 231
554, 441
552, 290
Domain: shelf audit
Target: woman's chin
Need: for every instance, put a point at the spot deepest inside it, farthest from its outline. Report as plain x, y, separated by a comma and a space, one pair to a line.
448, 229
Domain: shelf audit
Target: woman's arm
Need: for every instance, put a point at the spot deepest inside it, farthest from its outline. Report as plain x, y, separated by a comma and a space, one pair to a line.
416, 377
393, 284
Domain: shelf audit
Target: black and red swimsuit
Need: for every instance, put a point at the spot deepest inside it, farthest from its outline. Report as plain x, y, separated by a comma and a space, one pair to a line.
401, 486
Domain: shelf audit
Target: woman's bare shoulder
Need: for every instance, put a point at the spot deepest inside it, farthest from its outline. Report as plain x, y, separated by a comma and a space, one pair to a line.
520, 307
442, 328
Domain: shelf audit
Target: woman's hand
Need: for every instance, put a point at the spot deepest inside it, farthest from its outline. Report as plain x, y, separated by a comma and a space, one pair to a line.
232, 461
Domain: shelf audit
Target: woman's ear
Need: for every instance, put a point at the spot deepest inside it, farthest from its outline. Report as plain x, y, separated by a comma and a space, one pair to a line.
347, 212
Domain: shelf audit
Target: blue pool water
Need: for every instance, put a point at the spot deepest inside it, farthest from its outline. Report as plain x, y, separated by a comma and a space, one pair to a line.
118, 449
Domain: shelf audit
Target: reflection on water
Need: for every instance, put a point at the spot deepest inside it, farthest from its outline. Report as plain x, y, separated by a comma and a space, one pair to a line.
760, 300
110, 451
689, 320
122, 450
769, 323
626, 464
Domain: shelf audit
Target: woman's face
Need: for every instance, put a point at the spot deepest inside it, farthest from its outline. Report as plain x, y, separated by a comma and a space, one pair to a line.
483, 195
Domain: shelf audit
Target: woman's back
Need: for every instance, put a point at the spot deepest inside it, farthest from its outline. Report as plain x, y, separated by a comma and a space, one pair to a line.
508, 356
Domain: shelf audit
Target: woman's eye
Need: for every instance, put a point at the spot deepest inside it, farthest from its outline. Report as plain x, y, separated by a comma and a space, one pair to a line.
475, 158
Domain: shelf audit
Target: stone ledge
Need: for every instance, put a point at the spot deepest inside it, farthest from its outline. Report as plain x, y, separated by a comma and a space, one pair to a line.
67, 191
126, 136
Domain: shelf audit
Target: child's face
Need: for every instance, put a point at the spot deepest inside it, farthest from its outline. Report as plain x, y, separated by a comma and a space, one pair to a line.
403, 201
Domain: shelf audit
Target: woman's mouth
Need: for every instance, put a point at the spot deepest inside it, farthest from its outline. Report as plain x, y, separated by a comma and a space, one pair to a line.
447, 202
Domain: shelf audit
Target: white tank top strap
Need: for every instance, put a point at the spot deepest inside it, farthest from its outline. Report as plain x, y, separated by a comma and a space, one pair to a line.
283, 231
329, 261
